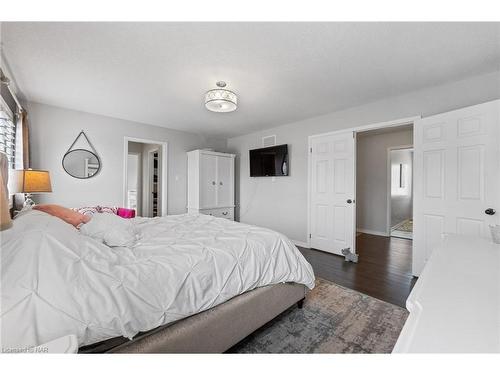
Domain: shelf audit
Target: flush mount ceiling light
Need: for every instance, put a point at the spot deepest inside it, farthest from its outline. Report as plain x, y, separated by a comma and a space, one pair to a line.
220, 99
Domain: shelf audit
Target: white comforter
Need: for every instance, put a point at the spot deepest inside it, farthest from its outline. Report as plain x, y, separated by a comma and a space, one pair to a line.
57, 281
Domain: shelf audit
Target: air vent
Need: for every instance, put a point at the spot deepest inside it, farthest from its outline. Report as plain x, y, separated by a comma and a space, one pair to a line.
269, 141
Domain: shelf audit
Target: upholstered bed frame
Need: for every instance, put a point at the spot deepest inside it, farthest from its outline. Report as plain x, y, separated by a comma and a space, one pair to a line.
212, 331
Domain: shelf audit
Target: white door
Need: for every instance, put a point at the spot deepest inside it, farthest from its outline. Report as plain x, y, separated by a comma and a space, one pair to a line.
332, 205
224, 183
208, 181
456, 176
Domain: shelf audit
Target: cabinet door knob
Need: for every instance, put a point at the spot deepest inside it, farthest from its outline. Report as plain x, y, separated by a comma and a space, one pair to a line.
220, 183
224, 213
213, 182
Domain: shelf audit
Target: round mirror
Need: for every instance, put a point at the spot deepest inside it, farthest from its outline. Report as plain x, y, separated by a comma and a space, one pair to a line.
80, 163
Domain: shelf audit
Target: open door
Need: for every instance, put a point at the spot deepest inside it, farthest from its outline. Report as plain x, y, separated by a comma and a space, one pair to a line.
332, 192
457, 177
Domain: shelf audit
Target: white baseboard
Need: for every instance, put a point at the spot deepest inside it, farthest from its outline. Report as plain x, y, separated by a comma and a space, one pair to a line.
301, 244
374, 232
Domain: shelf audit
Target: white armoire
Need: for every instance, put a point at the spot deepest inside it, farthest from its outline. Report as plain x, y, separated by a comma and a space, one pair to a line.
211, 183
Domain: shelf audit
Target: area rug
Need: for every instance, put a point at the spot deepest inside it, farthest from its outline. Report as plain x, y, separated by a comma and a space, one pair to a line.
405, 226
334, 319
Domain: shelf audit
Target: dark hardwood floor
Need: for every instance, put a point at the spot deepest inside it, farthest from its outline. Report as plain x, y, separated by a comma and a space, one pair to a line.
383, 270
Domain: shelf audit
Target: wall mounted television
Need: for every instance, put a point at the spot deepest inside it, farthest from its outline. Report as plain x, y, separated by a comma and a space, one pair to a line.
269, 161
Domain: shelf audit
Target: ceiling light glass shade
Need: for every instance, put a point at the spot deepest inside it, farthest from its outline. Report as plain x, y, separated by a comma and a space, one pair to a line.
221, 100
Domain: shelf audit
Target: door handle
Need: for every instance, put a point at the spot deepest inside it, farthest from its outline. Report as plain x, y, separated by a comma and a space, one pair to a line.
490, 211
350, 201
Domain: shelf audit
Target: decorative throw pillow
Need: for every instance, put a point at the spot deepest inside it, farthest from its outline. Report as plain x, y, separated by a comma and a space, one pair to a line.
67, 214
89, 211
110, 229
126, 213
109, 210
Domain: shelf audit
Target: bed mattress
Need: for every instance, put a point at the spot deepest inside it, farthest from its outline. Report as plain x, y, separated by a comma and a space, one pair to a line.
57, 281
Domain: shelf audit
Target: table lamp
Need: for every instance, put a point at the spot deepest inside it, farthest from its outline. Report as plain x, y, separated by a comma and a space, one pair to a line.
29, 181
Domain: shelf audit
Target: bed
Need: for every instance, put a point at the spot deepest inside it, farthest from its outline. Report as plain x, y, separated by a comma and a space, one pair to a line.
189, 283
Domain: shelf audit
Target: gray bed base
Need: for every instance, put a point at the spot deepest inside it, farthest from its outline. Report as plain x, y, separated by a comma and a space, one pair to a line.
221, 327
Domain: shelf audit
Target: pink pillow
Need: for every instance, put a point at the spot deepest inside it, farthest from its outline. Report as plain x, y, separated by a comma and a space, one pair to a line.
126, 213
67, 214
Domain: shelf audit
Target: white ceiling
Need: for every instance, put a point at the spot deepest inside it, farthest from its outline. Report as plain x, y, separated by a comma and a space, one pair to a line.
157, 73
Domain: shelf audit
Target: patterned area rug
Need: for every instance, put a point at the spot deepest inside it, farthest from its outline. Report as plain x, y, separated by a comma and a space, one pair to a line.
405, 226
334, 319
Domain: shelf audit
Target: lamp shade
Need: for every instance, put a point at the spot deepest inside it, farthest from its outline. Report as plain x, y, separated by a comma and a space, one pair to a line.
29, 181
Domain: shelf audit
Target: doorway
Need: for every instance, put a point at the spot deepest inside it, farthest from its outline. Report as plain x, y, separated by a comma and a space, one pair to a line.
348, 183
384, 205
134, 178
153, 178
145, 177
361, 157
400, 192
383, 181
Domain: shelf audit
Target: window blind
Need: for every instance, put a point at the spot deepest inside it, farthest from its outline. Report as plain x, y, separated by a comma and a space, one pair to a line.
8, 137
9, 125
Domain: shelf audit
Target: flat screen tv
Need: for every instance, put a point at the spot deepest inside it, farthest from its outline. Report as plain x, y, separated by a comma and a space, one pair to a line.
269, 161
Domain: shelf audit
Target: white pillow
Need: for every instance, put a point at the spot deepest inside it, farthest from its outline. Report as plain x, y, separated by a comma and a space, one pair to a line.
110, 229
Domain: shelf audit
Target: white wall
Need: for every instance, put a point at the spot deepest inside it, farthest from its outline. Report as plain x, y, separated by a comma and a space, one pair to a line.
133, 171
372, 177
53, 129
282, 205
402, 205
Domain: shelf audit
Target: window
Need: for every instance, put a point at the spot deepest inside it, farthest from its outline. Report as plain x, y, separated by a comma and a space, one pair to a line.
8, 136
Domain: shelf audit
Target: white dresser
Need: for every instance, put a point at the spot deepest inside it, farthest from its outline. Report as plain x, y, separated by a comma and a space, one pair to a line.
455, 304
211, 183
